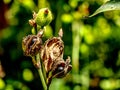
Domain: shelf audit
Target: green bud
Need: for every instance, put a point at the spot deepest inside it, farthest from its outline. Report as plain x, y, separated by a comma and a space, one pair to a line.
43, 17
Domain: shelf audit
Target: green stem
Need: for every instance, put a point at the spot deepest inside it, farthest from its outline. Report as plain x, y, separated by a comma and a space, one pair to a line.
76, 45
42, 79
40, 66
40, 71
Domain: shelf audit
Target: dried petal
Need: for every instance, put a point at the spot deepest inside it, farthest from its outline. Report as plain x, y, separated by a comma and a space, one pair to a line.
60, 33
32, 22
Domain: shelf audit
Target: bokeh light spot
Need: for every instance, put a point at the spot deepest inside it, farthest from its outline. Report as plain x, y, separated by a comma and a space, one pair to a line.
27, 75
2, 84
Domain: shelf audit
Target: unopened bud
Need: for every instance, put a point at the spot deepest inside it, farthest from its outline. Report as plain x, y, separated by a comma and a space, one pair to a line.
43, 17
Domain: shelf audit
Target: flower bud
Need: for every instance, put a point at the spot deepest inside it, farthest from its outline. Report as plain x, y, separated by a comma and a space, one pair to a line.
43, 17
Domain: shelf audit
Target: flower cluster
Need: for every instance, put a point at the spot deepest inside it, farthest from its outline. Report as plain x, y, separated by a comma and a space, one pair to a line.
50, 52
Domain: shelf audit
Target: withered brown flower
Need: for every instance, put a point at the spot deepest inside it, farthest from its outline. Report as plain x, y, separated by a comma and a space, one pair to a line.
32, 44
53, 49
52, 56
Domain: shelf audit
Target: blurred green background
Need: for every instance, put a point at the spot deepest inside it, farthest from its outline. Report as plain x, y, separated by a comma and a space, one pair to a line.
93, 44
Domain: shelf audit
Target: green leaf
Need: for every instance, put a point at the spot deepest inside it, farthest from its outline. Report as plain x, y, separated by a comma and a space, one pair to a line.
108, 6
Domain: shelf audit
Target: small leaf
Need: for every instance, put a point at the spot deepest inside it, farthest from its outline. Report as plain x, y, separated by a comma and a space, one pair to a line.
108, 6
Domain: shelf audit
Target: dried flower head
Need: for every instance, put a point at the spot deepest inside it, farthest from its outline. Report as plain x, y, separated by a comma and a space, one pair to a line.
52, 56
53, 49
32, 44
